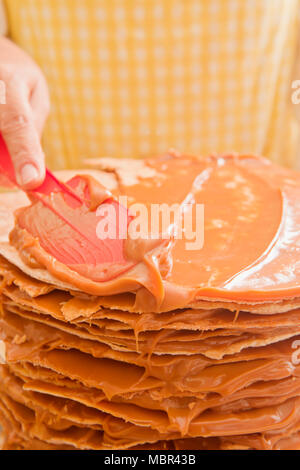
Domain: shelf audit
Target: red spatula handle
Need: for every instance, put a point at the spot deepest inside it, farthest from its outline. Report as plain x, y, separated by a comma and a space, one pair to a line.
6, 166
51, 183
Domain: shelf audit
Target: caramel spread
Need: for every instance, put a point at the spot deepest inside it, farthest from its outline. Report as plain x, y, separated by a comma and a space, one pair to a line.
241, 195
157, 347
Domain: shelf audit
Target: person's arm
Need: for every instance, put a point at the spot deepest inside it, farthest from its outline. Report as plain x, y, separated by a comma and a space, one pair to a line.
3, 21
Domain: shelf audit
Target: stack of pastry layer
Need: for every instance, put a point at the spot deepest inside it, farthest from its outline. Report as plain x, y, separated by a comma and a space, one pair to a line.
207, 358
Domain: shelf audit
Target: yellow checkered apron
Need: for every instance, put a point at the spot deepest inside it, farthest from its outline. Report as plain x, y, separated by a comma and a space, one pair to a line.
131, 78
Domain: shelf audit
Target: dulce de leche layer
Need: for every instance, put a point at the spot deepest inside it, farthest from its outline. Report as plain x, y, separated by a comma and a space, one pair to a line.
251, 229
82, 376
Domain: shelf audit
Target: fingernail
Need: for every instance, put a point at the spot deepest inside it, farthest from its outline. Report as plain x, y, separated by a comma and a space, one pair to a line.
29, 174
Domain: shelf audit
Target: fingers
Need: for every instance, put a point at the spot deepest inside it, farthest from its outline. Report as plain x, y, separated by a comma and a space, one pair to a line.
18, 127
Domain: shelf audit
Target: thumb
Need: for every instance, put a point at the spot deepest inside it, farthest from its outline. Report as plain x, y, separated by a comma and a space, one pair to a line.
22, 140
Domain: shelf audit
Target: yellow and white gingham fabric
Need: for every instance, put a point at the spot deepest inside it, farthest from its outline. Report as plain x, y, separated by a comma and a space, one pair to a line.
135, 77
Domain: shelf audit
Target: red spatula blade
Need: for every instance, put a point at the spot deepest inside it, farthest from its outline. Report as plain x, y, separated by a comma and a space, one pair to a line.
104, 251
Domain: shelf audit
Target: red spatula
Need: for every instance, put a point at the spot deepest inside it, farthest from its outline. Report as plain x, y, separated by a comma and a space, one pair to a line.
86, 240
50, 184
